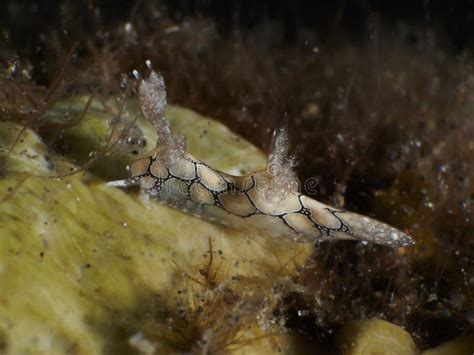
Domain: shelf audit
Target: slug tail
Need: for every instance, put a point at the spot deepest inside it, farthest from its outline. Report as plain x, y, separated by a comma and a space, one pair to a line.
367, 229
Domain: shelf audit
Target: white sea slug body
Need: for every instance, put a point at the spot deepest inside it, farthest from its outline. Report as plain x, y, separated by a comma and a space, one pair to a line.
265, 202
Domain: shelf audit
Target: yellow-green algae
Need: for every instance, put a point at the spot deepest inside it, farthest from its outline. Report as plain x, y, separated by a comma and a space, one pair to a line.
374, 337
83, 266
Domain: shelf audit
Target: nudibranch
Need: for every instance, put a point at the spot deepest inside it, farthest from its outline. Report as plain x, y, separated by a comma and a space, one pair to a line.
265, 202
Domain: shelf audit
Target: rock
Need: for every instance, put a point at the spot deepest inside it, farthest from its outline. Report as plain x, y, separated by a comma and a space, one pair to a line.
374, 337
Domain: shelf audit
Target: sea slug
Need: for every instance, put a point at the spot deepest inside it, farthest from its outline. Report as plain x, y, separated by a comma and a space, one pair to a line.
265, 202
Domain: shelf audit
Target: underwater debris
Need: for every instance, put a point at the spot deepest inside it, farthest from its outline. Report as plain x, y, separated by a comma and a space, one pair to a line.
265, 201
